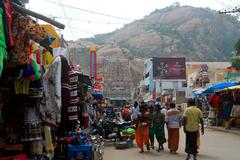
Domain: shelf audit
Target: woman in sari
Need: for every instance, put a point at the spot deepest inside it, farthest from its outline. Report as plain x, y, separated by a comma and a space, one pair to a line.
158, 125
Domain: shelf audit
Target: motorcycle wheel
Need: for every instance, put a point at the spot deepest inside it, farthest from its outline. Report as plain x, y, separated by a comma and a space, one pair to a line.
121, 145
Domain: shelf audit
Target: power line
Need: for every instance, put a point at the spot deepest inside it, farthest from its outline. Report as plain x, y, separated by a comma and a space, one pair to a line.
65, 14
89, 11
89, 21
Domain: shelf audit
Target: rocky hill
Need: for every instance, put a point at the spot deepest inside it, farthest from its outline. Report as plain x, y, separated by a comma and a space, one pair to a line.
199, 34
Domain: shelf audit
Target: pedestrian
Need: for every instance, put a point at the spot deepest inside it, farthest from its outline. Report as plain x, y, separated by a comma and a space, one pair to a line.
151, 129
158, 125
142, 136
192, 116
173, 121
135, 112
126, 113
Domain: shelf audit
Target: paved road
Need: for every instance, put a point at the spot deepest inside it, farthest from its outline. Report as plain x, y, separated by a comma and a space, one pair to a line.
215, 145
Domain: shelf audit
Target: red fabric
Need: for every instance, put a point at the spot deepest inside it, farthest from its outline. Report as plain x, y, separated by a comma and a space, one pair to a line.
38, 57
17, 157
214, 101
9, 20
142, 136
126, 111
173, 138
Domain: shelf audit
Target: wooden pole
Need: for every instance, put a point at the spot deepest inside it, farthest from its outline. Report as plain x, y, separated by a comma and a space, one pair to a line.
23, 10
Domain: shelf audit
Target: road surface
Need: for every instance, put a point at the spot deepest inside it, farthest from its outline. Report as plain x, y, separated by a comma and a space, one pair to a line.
215, 145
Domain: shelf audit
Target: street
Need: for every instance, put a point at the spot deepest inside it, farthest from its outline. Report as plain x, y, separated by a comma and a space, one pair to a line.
215, 145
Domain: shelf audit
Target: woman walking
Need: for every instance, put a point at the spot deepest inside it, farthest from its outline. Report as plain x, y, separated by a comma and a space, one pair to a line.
158, 125
142, 133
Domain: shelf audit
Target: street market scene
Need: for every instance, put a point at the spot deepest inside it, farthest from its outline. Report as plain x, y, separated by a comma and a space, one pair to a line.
113, 80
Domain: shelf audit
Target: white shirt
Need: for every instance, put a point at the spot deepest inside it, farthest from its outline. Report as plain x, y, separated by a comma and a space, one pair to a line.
135, 112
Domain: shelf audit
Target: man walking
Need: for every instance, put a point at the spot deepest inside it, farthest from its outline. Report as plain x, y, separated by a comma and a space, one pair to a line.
173, 120
192, 116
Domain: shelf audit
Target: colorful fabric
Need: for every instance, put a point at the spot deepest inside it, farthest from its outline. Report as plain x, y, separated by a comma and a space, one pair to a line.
47, 59
142, 136
173, 138
24, 29
191, 142
8, 12
158, 125
36, 69
193, 116
3, 53
173, 118
50, 30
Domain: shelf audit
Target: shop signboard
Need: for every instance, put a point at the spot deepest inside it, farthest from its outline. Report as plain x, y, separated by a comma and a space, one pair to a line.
169, 68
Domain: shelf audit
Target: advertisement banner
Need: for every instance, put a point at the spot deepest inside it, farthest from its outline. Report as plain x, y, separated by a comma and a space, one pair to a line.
169, 68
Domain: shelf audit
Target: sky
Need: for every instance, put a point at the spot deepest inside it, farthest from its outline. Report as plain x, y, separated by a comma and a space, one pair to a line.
86, 18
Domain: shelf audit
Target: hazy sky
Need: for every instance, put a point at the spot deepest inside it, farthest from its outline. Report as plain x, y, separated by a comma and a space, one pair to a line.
82, 24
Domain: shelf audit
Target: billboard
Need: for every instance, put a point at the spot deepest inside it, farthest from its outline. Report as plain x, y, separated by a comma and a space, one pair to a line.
169, 68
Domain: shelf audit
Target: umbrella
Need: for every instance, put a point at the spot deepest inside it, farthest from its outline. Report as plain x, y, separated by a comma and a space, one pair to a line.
219, 86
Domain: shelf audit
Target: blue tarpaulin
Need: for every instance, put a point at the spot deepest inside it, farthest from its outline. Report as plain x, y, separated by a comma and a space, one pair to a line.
98, 96
219, 86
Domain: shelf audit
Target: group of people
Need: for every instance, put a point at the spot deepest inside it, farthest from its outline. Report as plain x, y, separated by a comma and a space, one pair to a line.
150, 121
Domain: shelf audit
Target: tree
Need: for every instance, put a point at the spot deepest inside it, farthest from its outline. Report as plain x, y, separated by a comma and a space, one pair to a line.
237, 48
236, 60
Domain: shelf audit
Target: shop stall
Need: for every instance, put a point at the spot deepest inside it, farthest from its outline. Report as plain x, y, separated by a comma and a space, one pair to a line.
45, 106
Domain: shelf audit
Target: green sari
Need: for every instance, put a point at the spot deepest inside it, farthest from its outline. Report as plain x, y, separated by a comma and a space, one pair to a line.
158, 125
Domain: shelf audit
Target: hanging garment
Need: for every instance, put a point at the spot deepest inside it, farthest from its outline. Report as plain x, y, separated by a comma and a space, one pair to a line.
31, 129
51, 111
65, 92
24, 29
49, 149
3, 53
8, 11
235, 113
47, 59
21, 86
72, 108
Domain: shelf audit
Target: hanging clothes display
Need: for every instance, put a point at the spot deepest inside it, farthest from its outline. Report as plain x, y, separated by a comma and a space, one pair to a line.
3, 53
51, 110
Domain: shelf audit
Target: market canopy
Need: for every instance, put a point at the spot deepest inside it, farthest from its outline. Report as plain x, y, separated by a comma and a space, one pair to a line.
219, 86
233, 88
231, 75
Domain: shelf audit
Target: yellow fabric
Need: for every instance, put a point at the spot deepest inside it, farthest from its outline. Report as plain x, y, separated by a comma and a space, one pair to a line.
48, 141
21, 86
192, 115
50, 30
47, 59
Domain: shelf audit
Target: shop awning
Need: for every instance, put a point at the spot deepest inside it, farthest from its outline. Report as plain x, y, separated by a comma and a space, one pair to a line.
219, 86
231, 75
233, 88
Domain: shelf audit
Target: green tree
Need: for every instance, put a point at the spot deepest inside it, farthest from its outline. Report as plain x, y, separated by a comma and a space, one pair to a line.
236, 60
237, 48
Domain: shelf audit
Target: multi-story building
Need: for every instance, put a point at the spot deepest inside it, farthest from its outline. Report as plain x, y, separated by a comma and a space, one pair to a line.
164, 77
